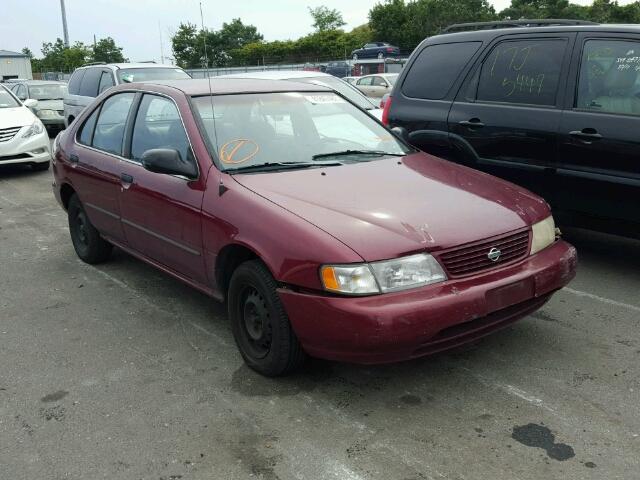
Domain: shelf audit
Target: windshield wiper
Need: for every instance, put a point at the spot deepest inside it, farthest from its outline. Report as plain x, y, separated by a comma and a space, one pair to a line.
281, 166
379, 153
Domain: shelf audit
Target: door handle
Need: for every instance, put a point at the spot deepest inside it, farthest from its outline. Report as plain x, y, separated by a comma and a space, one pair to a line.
586, 134
473, 123
73, 158
126, 178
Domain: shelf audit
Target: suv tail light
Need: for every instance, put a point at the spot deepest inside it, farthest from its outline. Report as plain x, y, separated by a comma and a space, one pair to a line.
385, 112
389, 49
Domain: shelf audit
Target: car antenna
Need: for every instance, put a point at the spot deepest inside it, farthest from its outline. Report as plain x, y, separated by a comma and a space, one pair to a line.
221, 188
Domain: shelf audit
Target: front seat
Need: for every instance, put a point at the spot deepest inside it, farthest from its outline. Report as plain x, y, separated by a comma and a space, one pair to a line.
617, 94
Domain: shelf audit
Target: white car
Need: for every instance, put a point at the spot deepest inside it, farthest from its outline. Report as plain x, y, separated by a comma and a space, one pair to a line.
376, 85
317, 78
23, 138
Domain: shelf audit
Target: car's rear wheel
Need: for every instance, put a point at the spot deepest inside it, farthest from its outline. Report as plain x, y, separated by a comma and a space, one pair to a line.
380, 55
355, 56
260, 324
87, 242
40, 167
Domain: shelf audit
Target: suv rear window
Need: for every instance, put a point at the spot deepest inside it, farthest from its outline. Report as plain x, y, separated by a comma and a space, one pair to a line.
75, 81
522, 72
436, 68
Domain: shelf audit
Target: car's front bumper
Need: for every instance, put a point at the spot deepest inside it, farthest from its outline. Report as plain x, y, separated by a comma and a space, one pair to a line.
35, 149
409, 324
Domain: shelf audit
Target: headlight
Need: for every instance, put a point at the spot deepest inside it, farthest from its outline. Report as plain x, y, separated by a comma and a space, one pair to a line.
382, 277
34, 129
544, 234
47, 113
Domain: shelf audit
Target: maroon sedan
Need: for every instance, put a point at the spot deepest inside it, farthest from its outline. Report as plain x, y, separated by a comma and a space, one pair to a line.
325, 233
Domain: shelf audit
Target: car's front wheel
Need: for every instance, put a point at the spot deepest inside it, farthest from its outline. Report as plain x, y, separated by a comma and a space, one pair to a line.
380, 55
259, 322
87, 242
355, 56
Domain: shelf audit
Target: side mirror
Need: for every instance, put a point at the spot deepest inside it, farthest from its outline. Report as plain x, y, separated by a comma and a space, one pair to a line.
169, 162
29, 102
401, 132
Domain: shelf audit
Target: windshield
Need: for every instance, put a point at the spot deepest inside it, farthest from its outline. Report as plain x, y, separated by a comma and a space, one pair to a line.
342, 87
47, 92
7, 100
129, 75
292, 128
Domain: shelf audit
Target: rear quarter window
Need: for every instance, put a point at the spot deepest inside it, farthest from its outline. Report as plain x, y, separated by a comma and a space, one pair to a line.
436, 68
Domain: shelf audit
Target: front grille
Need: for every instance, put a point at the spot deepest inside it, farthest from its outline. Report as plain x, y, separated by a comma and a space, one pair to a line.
474, 258
14, 157
7, 134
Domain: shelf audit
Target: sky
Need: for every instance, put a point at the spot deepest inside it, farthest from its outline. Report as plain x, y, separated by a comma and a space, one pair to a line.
139, 25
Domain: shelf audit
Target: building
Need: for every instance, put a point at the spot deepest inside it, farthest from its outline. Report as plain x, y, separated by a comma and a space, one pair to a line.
377, 65
14, 65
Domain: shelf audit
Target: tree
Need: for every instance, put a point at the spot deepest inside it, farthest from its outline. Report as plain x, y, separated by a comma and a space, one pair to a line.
236, 35
58, 57
106, 50
26, 51
325, 19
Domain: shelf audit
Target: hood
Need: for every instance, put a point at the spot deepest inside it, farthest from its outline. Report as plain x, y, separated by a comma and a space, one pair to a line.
16, 117
50, 105
387, 208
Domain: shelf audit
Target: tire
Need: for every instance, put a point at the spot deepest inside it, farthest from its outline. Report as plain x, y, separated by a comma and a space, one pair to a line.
380, 55
87, 242
260, 324
40, 167
355, 56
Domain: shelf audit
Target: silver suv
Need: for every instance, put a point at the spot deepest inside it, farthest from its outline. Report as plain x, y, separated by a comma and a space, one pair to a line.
89, 81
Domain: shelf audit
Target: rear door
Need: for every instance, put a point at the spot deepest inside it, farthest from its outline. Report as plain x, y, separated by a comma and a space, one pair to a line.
95, 164
509, 109
379, 87
365, 85
161, 214
599, 163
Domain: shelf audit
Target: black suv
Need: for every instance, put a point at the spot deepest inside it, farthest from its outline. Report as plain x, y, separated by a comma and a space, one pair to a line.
552, 105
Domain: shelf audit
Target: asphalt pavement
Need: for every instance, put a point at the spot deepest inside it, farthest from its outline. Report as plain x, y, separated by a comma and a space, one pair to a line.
120, 372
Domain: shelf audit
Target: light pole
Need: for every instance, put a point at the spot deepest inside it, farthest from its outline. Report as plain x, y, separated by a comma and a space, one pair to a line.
64, 24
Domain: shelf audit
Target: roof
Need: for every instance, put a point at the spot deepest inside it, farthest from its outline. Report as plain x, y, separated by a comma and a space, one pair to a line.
7, 53
42, 82
492, 33
225, 86
130, 65
278, 74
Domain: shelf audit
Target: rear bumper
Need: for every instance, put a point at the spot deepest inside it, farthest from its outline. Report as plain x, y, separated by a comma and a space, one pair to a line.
410, 324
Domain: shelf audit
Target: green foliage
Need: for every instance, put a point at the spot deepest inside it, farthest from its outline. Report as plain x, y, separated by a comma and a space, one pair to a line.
602, 11
26, 51
189, 44
106, 50
57, 57
325, 19
406, 24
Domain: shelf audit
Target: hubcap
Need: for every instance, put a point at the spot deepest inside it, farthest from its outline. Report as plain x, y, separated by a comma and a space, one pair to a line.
256, 322
81, 223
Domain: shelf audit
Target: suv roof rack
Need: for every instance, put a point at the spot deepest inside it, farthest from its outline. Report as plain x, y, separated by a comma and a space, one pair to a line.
461, 27
94, 63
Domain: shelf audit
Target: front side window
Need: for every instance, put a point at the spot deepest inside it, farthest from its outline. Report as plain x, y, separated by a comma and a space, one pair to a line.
158, 125
292, 128
366, 81
109, 131
106, 81
379, 82
522, 72
21, 92
436, 68
129, 75
610, 77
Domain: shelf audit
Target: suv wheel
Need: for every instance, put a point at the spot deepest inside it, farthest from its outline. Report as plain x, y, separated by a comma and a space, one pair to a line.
260, 324
87, 242
380, 55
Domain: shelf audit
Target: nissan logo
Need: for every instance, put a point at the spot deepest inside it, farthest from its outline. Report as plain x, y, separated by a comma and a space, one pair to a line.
494, 254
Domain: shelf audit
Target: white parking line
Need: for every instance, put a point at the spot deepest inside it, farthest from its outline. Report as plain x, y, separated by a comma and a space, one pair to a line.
579, 293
